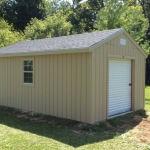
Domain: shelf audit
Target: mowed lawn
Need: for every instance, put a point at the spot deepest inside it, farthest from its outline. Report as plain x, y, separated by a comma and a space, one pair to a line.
147, 98
23, 133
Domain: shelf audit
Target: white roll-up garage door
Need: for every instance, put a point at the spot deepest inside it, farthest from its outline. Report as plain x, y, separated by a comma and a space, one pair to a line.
119, 87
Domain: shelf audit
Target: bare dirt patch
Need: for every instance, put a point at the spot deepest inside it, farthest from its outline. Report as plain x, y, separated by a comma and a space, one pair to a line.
141, 132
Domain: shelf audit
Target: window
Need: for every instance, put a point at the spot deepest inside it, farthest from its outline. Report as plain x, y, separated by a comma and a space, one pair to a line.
28, 71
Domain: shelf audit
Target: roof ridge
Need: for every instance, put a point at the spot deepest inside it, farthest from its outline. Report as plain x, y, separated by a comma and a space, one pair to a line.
72, 35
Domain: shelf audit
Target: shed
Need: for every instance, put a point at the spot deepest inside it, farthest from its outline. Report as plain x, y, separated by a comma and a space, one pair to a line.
85, 77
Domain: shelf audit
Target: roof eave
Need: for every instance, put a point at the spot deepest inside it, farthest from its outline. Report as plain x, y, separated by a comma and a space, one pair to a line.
47, 52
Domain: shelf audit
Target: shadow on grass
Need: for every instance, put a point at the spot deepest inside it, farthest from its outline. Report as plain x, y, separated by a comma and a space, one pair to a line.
147, 101
66, 131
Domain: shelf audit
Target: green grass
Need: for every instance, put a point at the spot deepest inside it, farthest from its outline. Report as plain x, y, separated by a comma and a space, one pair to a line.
147, 98
23, 134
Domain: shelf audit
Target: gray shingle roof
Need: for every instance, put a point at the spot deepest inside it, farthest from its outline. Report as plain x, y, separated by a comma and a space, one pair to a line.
78, 41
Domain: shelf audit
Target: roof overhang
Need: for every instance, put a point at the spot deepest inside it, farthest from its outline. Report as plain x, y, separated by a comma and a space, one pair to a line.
59, 51
77, 50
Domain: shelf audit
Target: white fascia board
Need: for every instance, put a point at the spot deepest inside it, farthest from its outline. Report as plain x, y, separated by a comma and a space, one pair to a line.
62, 51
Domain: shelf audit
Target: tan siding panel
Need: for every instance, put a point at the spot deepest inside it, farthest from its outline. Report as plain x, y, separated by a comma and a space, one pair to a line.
20, 73
101, 82
60, 86
78, 100
17, 82
40, 81
74, 85
47, 85
51, 89
93, 86
84, 87
55, 84
105, 74
30, 98
44, 85
97, 65
64, 97
69, 101
36, 84
89, 87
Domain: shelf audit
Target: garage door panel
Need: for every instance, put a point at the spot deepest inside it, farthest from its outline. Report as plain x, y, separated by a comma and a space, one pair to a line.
115, 104
119, 89
121, 100
119, 111
120, 103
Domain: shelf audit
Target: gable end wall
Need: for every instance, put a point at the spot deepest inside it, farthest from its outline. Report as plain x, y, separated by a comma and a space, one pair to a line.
100, 59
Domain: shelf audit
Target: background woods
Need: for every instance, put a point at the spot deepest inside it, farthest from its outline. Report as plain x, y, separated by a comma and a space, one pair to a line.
34, 19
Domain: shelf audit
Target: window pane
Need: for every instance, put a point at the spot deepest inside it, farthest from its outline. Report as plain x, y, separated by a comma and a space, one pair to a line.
30, 75
30, 68
25, 62
26, 75
30, 80
29, 62
25, 80
25, 68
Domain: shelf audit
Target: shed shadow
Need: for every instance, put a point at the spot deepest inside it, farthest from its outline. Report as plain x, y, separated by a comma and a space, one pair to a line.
69, 132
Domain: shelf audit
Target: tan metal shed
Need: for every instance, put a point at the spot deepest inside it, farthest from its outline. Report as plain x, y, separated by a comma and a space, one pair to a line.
85, 77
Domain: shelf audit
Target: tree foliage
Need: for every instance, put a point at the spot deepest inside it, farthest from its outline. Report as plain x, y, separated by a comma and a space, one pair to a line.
53, 6
52, 26
81, 18
146, 8
20, 12
8, 35
119, 15
108, 17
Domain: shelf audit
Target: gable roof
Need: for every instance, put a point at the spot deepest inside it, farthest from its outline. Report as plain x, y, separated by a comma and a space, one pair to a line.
62, 44
78, 41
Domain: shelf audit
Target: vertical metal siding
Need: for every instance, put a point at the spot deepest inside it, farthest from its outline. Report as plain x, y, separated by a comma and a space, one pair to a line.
61, 85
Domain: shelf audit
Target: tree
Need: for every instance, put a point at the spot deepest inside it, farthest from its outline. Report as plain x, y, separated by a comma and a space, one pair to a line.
52, 26
20, 12
119, 15
146, 8
82, 17
134, 22
8, 35
108, 17
53, 6
96, 5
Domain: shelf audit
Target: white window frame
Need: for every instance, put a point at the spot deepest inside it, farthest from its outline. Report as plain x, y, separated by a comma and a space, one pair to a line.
27, 59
